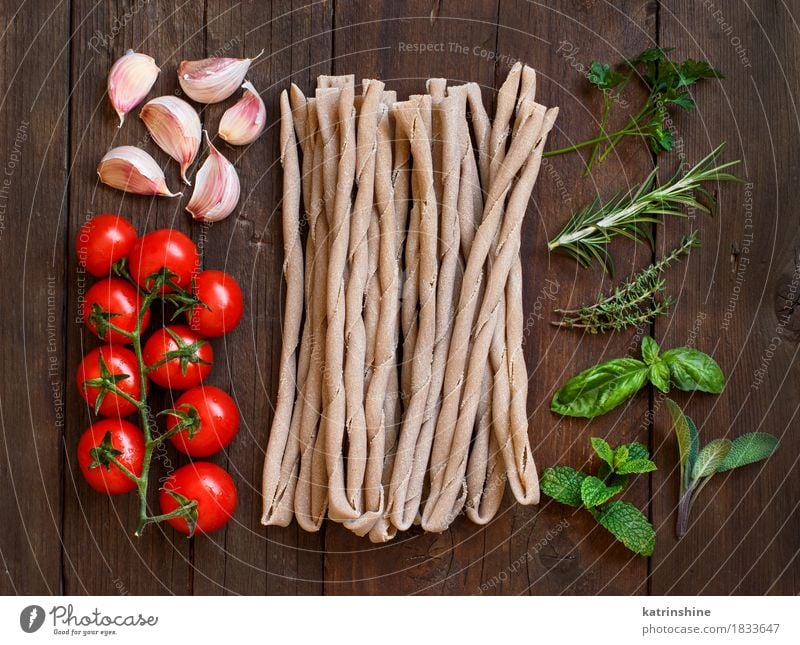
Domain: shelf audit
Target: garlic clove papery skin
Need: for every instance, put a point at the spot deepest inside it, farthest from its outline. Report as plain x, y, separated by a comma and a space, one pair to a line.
244, 122
216, 188
132, 170
212, 80
175, 127
129, 80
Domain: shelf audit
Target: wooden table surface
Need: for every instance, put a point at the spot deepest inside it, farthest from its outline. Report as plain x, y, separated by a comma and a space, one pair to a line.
736, 297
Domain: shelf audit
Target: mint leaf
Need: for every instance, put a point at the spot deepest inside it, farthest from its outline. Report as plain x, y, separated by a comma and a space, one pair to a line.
710, 458
603, 450
637, 450
748, 449
594, 492
629, 525
621, 455
637, 466
650, 350
563, 484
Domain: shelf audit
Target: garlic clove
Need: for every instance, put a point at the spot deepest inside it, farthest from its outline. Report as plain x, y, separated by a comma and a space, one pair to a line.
244, 122
131, 169
175, 127
212, 80
216, 188
130, 79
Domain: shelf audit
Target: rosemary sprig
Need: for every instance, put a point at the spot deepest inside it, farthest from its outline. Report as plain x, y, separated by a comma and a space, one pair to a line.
637, 301
589, 230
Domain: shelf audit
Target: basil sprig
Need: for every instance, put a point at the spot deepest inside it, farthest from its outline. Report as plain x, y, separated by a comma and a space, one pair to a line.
603, 387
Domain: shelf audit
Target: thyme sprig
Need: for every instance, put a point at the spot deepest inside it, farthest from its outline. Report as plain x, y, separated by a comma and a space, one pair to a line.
587, 234
635, 302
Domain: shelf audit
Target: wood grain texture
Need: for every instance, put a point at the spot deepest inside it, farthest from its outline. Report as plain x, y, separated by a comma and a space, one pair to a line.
737, 294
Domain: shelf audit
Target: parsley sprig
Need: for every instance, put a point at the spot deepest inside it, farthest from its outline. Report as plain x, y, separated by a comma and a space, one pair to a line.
667, 84
595, 493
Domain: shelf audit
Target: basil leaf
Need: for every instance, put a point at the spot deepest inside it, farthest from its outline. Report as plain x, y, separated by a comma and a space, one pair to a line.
594, 492
603, 450
600, 389
650, 350
692, 370
659, 376
710, 458
629, 525
563, 484
748, 449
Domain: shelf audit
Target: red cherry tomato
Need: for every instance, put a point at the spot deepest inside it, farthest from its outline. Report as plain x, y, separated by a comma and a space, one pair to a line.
209, 485
164, 248
119, 298
119, 361
189, 362
102, 241
223, 304
107, 477
216, 421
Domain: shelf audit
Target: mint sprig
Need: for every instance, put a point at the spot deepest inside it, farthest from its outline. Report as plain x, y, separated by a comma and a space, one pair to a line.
698, 465
596, 493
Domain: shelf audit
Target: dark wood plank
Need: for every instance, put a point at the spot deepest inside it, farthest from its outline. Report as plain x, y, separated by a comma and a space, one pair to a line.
247, 558
101, 555
564, 551
33, 116
738, 301
374, 39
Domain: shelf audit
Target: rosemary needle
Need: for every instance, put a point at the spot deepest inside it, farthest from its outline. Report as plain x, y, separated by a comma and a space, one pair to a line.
589, 231
633, 303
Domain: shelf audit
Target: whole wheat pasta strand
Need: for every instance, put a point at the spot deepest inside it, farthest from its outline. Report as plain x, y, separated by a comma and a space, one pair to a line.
438, 509
412, 117
293, 306
442, 513
385, 340
308, 407
334, 417
358, 259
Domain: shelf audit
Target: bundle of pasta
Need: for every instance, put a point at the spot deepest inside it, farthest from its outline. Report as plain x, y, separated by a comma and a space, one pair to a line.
402, 388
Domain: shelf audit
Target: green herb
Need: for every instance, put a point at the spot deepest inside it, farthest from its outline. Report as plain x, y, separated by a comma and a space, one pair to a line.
603, 387
697, 465
596, 492
589, 231
633, 303
667, 84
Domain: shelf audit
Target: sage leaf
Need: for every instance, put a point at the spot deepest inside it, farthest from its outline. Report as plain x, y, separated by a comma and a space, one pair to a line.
710, 458
629, 525
603, 450
563, 484
688, 440
748, 449
692, 370
594, 492
601, 388
650, 350
637, 466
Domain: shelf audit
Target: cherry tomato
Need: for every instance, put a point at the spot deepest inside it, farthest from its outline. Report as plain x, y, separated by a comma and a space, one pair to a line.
119, 298
102, 241
189, 362
215, 420
164, 248
212, 488
223, 304
106, 476
119, 361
